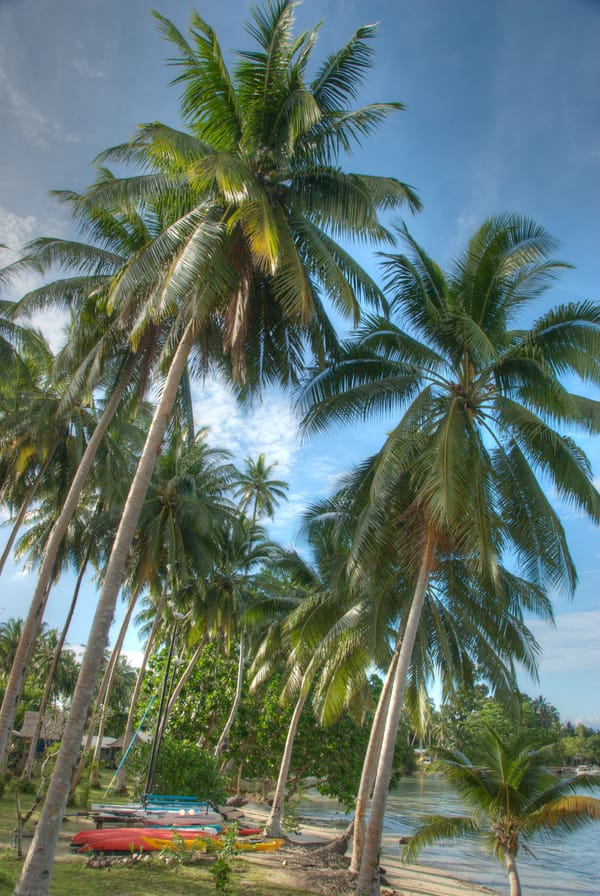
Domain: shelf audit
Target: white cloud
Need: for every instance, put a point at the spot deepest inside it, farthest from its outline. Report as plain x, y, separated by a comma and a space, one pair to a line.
82, 66
134, 657
573, 646
14, 232
37, 127
270, 428
52, 326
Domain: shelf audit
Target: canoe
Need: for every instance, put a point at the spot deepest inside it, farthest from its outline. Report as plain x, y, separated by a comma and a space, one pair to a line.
271, 845
150, 840
106, 838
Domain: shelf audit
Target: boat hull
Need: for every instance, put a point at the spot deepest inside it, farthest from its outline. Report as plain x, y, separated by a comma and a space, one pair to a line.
242, 845
127, 839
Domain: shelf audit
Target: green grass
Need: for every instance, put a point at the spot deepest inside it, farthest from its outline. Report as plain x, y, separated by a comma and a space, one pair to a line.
71, 874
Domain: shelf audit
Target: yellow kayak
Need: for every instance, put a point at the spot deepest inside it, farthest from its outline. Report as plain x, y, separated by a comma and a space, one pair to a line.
153, 843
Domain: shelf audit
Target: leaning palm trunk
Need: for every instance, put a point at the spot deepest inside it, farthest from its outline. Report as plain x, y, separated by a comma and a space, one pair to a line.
513, 875
273, 825
368, 879
98, 712
26, 775
184, 677
369, 768
37, 870
128, 736
14, 686
23, 509
219, 749
114, 662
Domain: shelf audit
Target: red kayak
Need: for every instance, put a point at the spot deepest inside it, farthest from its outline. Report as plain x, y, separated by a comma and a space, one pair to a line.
128, 839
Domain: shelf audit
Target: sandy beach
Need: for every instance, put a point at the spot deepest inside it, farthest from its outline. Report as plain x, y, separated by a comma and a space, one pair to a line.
401, 879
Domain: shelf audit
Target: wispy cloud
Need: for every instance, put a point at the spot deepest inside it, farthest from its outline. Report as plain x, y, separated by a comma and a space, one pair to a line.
83, 66
15, 232
37, 127
270, 428
573, 645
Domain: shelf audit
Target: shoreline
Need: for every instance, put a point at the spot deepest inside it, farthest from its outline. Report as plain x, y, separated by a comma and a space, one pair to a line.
402, 879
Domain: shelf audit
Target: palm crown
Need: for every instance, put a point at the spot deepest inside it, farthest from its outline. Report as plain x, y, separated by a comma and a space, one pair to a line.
255, 193
479, 400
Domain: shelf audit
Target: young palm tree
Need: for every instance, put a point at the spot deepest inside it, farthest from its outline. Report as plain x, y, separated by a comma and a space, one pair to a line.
458, 472
253, 488
96, 356
254, 252
513, 797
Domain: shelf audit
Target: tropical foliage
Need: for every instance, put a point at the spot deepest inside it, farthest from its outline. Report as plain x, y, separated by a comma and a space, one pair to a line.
512, 797
226, 246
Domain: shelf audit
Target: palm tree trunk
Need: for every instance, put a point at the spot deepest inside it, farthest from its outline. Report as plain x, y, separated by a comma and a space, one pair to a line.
128, 735
113, 663
14, 686
369, 768
273, 825
95, 718
236, 700
26, 775
368, 879
513, 875
36, 874
23, 509
184, 677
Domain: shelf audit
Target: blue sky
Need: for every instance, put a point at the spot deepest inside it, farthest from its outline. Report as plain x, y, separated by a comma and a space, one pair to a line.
503, 103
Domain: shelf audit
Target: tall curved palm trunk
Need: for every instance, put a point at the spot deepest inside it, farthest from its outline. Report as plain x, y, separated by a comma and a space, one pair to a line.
114, 662
369, 769
128, 735
368, 879
273, 825
37, 870
224, 738
26, 774
14, 686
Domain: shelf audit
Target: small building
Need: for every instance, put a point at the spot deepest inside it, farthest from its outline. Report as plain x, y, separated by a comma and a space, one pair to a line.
51, 729
107, 751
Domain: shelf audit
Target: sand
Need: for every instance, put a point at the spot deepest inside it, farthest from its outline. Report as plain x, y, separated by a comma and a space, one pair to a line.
400, 879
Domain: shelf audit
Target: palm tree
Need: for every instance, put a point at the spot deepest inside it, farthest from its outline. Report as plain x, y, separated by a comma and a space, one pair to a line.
59, 674
254, 251
184, 512
512, 796
253, 488
37, 433
457, 474
10, 635
465, 630
117, 236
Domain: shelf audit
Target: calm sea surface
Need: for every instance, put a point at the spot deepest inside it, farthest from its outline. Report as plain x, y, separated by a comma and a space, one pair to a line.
566, 864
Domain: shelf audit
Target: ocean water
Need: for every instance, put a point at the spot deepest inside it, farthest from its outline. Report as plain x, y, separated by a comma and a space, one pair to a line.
566, 865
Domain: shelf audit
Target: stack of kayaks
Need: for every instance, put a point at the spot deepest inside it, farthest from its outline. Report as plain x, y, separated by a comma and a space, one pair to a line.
161, 823
150, 839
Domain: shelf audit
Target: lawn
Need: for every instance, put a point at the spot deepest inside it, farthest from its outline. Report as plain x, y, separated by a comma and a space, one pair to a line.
72, 874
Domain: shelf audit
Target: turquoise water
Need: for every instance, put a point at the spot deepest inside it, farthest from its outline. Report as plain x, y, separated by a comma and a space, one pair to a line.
566, 864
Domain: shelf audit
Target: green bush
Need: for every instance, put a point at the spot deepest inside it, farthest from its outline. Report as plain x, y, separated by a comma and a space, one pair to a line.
183, 768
